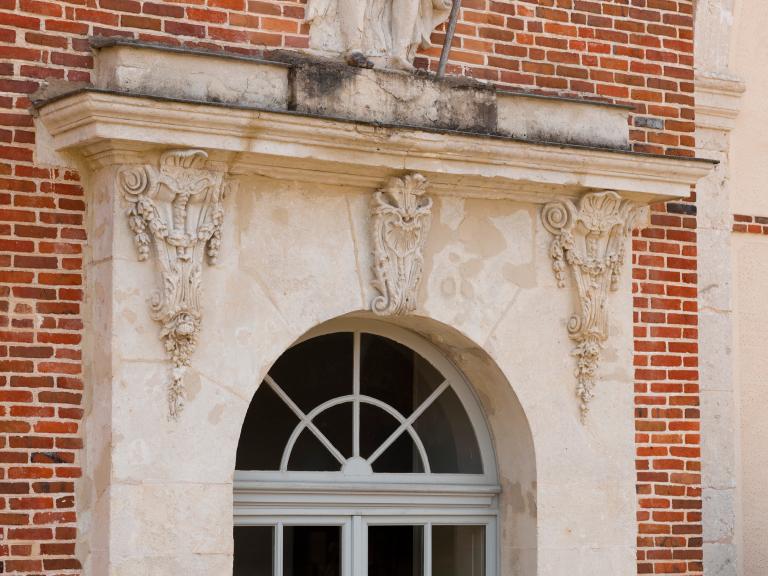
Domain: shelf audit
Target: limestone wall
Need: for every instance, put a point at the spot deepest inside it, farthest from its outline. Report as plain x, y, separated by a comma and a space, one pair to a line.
750, 277
731, 115
293, 257
751, 333
750, 140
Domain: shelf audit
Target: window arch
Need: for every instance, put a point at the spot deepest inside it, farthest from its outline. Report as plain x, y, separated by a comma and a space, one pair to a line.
365, 452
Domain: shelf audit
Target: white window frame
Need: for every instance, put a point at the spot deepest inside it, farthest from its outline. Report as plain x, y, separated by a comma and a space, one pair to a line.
279, 498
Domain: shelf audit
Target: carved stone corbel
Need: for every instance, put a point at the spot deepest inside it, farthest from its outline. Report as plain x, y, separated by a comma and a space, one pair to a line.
177, 209
401, 214
590, 239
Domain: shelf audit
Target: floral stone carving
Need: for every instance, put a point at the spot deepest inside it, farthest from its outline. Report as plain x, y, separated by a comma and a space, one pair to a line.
177, 209
590, 239
401, 216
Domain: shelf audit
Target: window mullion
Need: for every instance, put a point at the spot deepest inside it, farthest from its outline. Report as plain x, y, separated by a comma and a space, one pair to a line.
278, 563
356, 393
359, 551
428, 549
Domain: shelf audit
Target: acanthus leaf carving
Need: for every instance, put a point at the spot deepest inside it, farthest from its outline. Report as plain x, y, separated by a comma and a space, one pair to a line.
401, 214
178, 210
590, 240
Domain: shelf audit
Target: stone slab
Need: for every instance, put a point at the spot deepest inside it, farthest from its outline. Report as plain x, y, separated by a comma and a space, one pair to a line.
321, 87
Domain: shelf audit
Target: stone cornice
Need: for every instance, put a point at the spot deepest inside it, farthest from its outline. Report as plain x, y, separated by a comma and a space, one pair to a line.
105, 127
718, 101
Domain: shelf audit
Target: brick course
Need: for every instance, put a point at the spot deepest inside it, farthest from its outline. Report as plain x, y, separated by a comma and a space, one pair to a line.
636, 52
750, 224
667, 416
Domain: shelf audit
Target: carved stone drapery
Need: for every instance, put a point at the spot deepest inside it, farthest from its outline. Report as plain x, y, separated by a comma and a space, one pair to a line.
385, 32
590, 239
401, 215
177, 208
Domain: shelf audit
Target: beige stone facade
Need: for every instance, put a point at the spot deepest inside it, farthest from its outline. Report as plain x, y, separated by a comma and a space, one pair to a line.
296, 193
731, 115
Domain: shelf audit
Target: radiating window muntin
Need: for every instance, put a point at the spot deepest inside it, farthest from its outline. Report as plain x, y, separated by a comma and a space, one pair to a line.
387, 464
390, 411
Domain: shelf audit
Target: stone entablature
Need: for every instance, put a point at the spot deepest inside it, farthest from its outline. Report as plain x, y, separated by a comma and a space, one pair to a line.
328, 150
321, 87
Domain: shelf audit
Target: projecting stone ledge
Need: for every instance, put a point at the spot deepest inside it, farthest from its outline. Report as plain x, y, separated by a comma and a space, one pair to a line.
297, 82
315, 121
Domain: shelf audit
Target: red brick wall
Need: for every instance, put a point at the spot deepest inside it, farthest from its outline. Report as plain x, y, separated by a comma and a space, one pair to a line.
637, 52
750, 224
667, 418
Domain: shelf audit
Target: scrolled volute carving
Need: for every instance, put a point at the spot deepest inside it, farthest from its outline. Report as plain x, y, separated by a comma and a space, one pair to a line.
590, 239
401, 214
176, 209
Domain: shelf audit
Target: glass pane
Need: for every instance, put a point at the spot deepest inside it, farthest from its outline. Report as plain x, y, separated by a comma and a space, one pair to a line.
312, 551
309, 454
458, 550
336, 424
375, 427
395, 374
254, 548
266, 429
401, 457
316, 370
396, 551
448, 437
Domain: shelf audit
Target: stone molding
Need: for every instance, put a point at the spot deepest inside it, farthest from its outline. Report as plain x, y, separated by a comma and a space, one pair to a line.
412, 100
590, 239
177, 209
718, 101
101, 126
401, 214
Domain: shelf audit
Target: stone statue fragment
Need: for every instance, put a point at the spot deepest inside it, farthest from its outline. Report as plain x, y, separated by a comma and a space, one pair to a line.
385, 33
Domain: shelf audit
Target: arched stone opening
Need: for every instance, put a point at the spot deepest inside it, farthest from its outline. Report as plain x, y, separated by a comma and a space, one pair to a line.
499, 422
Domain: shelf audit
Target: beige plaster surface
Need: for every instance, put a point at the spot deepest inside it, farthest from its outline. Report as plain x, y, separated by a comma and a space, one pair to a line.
751, 334
750, 138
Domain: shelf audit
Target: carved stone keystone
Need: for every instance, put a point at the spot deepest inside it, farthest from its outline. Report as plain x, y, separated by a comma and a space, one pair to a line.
177, 209
590, 239
401, 214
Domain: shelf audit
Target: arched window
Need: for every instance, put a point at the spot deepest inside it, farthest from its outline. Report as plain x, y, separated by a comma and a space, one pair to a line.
365, 453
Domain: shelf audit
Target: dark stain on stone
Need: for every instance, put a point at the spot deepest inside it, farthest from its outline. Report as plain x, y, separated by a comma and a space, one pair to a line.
318, 82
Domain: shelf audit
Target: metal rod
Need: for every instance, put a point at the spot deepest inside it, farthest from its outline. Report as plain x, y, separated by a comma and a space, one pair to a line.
448, 38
